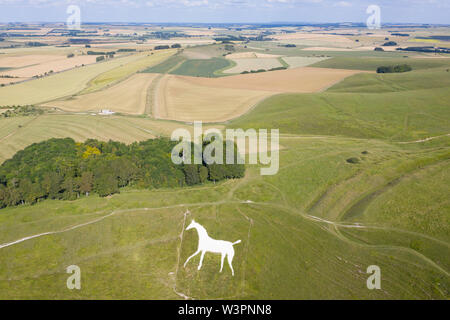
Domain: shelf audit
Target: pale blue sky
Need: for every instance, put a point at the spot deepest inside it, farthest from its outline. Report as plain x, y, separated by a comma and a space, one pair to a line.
219, 11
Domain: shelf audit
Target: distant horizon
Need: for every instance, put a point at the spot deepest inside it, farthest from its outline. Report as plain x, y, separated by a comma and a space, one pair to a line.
282, 23
434, 12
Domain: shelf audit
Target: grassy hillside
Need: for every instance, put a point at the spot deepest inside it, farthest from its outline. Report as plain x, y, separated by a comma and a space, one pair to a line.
371, 64
135, 247
416, 202
400, 116
377, 83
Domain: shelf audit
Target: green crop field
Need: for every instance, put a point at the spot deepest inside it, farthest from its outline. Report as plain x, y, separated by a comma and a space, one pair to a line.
202, 67
167, 65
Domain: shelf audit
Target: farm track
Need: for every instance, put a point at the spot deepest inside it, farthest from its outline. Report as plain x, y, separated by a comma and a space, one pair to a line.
152, 92
150, 105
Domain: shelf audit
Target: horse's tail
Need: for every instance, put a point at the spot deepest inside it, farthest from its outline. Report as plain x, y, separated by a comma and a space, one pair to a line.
239, 241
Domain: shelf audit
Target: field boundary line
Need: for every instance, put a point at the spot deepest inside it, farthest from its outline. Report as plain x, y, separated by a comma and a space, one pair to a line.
151, 105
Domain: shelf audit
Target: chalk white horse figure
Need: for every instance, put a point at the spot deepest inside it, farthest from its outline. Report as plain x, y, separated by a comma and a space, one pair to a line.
207, 244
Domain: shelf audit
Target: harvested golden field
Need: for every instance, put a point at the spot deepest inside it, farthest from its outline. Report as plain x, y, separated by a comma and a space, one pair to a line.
326, 49
128, 96
302, 80
59, 63
21, 61
58, 85
189, 99
179, 98
164, 128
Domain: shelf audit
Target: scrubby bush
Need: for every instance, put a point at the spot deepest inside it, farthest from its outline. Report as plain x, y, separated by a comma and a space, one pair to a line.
353, 160
162, 47
390, 44
394, 69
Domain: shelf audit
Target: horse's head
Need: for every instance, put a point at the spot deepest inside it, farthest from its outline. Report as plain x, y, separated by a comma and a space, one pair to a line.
192, 225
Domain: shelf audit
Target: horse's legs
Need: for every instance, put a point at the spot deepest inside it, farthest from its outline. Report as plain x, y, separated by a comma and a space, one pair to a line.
221, 261
201, 260
196, 253
230, 261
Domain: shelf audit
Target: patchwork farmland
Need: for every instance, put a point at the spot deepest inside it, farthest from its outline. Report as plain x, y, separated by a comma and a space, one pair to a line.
85, 178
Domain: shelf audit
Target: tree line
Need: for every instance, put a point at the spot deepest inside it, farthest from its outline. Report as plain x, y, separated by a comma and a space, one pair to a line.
67, 170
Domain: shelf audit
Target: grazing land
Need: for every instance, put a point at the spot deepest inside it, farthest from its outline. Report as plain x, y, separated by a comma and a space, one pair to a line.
371, 64
140, 225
